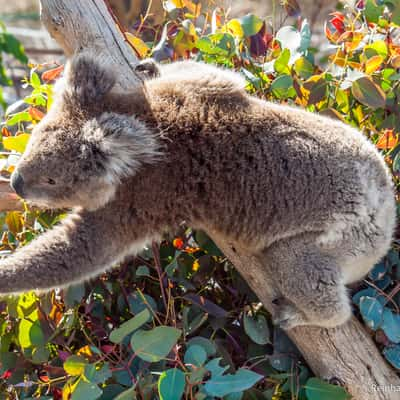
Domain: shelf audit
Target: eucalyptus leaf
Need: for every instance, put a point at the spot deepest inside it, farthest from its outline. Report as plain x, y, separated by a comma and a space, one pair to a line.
316, 389
155, 344
171, 384
118, 334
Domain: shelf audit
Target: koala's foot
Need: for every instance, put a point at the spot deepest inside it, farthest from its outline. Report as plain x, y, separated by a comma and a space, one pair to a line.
310, 281
287, 315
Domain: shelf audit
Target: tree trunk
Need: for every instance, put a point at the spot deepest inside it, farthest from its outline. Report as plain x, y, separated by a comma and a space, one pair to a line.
347, 352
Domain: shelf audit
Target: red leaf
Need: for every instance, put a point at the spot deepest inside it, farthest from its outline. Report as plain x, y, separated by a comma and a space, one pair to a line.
52, 74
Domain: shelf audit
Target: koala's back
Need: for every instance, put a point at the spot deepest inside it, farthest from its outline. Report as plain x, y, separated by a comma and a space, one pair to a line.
262, 172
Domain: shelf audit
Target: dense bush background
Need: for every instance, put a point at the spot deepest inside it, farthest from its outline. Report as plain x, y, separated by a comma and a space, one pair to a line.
178, 321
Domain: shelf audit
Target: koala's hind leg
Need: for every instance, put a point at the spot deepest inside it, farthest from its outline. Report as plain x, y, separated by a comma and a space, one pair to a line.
310, 283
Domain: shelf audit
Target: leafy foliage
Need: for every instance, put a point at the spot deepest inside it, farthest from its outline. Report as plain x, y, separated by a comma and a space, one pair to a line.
9, 45
177, 321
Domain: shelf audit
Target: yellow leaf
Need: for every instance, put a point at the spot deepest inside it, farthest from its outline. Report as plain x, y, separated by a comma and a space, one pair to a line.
15, 222
234, 27
196, 265
85, 351
75, 365
193, 7
17, 143
373, 64
140, 47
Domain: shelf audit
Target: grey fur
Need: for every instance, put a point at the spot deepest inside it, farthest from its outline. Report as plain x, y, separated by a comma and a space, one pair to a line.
309, 195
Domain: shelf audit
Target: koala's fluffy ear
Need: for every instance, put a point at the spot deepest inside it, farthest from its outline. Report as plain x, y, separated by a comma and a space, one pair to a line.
125, 144
86, 81
148, 69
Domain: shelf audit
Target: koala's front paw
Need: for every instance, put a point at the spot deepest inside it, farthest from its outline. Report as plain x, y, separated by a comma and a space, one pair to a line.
287, 315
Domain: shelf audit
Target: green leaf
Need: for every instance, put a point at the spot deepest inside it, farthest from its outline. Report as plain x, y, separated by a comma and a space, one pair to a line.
391, 325
205, 343
256, 327
75, 365
367, 92
73, 295
142, 270
40, 355
14, 47
23, 116
392, 354
282, 87
117, 335
97, 375
222, 385
373, 11
305, 33
86, 390
377, 48
303, 68
171, 384
316, 389
30, 334
214, 367
35, 80
7, 361
394, 6
371, 310
154, 345
195, 355
281, 63
251, 24
129, 394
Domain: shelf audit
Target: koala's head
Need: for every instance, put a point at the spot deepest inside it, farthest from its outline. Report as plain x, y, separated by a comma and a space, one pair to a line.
78, 154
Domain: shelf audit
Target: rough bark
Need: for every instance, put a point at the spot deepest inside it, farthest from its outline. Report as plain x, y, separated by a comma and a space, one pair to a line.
347, 352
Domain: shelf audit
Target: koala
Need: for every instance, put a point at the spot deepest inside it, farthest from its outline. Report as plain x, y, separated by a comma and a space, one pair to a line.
308, 195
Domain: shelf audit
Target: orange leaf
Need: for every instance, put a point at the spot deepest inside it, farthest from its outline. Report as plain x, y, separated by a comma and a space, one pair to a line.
396, 62
374, 63
35, 113
52, 74
5, 132
387, 140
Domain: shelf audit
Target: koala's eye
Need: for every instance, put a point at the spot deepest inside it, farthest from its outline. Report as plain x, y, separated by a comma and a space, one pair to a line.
51, 181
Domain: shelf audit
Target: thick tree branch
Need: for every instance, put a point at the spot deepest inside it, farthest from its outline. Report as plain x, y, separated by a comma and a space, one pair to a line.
346, 353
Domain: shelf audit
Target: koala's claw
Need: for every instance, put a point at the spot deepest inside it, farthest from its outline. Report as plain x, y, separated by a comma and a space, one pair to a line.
287, 315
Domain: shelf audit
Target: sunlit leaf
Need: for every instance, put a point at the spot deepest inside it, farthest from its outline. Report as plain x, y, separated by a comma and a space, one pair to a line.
367, 92
140, 47
52, 74
250, 24
17, 143
235, 27
75, 365
373, 64
388, 140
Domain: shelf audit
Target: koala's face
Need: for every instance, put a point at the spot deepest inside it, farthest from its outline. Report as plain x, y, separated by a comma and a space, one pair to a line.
64, 167
79, 152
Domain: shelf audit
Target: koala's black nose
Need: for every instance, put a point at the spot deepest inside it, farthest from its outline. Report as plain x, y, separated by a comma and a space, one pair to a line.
17, 183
